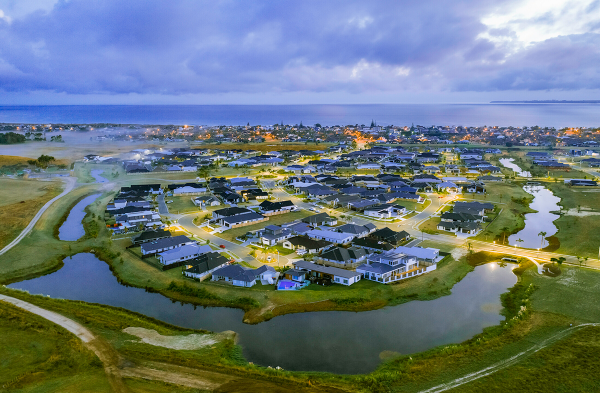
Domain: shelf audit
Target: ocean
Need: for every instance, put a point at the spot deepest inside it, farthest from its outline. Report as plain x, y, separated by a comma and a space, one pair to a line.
556, 115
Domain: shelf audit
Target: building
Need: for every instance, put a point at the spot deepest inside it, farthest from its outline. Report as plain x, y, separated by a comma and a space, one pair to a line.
336, 275
344, 256
273, 234
331, 236
150, 235
201, 267
306, 244
241, 276
268, 208
391, 266
390, 236
320, 219
177, 256
161, 245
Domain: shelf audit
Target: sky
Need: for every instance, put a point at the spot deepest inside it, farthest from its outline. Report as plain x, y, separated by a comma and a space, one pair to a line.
297, 52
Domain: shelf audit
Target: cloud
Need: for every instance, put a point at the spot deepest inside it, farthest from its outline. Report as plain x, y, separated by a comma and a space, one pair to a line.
187, 47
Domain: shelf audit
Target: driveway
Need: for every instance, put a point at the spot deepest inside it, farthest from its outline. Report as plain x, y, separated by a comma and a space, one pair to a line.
162, 206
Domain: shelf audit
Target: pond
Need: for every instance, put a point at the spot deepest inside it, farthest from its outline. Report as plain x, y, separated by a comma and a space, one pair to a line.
96, 175
544, 201
72, 228
508, 163
334, 341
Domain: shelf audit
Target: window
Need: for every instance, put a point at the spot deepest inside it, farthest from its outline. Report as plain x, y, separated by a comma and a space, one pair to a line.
345, 281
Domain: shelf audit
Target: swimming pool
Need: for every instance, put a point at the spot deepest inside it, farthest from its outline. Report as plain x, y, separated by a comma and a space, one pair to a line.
287, 285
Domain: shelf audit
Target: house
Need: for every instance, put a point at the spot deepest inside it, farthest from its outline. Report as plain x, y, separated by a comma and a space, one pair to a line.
390, 236
582, 182
331, 236
357, 230
273, 234
459, 227
295, 275
475, 208
144, 219
206, 200
234, 217
423, 254
344, 256
306, 244
187, 189
150, 235
201, 267
460, 217
320, 219
384, 211
161, 245
242, 276
336, 275
268, 208
372, 244
391, 266
254, 194
176, 257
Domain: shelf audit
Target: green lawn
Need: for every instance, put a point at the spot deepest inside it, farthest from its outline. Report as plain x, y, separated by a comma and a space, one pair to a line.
182, 204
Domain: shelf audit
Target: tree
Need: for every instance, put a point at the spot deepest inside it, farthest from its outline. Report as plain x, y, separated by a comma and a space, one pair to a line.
559, 260
520, 241
504, 230
543, 235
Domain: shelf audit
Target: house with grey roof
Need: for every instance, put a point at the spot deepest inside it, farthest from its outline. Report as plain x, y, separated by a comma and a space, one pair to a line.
336, 275
357, 230
176, 256
241, 276
164, 244
344, 256
391, 266
306, 244
273, 234
201, 267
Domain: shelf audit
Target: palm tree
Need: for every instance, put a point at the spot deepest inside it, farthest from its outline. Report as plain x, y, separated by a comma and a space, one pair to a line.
504, 230
543, 235
520, 240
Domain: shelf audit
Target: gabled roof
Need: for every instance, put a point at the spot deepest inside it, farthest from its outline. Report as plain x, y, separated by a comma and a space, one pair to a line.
344, 254
164, 243
325, 269
308, 243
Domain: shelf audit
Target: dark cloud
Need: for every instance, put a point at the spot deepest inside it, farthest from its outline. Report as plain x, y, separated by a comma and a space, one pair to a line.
188, 47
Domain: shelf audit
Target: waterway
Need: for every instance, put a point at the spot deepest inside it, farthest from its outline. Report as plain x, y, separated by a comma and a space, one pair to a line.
72, 228
508, 163
96, 175
544, 201
334, 341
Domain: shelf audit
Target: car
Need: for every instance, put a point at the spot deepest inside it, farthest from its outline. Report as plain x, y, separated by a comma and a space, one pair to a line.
169, 201
269, 258
222, 246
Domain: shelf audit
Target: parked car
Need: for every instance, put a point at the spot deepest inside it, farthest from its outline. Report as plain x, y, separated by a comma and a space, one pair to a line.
222, 246
268, 258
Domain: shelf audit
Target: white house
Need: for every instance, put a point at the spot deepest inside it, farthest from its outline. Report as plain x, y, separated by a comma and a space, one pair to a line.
331, 236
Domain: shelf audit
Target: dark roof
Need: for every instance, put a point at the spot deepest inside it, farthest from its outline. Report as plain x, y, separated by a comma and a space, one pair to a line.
368, 242
147, 236
206, 262
325, 269
250, 216
270, 206
389, 235
231, 211
344, 254
317, 218
165, 242
308, 243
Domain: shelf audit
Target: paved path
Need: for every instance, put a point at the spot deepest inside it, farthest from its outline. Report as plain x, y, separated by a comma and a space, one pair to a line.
104, 352
162, 206
70, 184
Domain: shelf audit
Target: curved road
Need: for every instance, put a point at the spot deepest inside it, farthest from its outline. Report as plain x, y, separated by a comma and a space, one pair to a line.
69, 187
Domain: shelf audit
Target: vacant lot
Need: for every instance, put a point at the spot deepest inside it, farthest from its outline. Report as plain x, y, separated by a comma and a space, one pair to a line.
182, 204
20, 200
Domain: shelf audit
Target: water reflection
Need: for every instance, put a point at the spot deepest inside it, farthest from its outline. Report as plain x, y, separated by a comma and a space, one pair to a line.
544, 202
340, 342
508, 163
72, 228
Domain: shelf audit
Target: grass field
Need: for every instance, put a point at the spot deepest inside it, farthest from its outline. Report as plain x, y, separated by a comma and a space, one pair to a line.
20, 200
38, 355
182, 204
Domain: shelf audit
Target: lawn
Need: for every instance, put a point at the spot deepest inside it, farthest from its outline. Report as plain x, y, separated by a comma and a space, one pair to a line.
20, 200
182, 204
430, 226
279, 219
581, 209
39, 355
